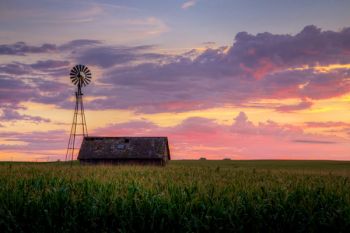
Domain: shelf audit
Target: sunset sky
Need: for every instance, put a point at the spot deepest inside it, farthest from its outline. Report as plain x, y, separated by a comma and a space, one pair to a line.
239, 79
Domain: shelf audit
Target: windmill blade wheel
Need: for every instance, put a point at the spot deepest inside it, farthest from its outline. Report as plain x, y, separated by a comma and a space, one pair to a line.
80, 75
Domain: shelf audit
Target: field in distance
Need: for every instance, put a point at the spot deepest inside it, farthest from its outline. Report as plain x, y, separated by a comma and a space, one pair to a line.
185, 196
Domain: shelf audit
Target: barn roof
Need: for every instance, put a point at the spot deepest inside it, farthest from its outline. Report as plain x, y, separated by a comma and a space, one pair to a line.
124, 148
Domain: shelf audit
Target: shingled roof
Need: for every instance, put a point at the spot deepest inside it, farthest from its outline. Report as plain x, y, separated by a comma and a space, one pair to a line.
95, 149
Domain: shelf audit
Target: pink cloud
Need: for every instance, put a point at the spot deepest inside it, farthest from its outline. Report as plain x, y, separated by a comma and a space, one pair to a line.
31, 146
326, 124
188, 4
304, 104
265, 66
201, 137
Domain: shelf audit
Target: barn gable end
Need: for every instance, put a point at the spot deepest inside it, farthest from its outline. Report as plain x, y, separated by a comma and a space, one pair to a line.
116, 150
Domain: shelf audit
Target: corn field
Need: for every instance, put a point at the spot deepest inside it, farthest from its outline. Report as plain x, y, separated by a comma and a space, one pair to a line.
184, 196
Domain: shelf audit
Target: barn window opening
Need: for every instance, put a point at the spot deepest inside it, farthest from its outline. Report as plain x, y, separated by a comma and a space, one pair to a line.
94, 139
120, 146
126, 140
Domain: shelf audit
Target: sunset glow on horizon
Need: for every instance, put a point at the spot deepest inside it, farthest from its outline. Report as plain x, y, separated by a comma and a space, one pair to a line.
221, 79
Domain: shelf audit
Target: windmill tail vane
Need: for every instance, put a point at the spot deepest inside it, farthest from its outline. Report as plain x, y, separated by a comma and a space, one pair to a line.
80, 76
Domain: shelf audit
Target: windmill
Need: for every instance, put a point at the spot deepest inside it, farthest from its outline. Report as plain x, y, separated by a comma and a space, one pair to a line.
80, 76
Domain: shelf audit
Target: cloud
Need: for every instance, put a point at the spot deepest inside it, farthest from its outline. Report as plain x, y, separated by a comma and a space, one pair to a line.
188, 4
81, 43
49, 64
34, 145
15, 68
21, 48
311, 46
209, 43
304, 104
243, 126
107, 56
15, 89
313, 141
199, 137
326, 124
186, 84
12, 115
150, 26
255, 67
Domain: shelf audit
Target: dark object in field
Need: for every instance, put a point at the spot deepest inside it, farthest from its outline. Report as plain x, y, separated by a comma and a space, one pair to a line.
121, 150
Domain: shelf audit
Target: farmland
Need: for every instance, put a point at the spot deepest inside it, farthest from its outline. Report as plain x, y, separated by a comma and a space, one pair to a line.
185, 196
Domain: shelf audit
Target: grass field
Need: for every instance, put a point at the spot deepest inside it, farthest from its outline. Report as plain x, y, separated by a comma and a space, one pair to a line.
185, 196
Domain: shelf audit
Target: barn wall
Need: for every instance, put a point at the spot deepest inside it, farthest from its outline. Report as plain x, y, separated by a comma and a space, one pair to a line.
124, 150
159, 162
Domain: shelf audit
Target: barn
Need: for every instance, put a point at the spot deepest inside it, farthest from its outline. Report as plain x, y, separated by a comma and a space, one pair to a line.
120, 150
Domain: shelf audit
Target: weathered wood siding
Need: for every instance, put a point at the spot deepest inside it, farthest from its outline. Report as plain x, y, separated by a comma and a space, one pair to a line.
124, 149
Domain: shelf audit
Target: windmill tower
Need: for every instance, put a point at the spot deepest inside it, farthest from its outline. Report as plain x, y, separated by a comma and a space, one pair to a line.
80, 76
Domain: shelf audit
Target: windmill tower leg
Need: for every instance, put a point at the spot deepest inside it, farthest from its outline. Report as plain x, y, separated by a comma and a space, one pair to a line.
78, 111
83, 120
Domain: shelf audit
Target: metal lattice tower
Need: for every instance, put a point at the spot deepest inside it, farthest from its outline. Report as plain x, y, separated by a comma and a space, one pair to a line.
80, 75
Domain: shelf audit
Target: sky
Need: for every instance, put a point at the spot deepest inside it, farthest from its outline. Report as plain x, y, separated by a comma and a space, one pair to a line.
220, 78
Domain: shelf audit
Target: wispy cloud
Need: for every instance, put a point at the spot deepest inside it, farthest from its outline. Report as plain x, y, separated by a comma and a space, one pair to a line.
21, 48
188, 4
12, 115
314, 141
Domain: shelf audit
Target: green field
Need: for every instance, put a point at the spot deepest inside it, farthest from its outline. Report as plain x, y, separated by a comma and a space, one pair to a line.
185, 196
